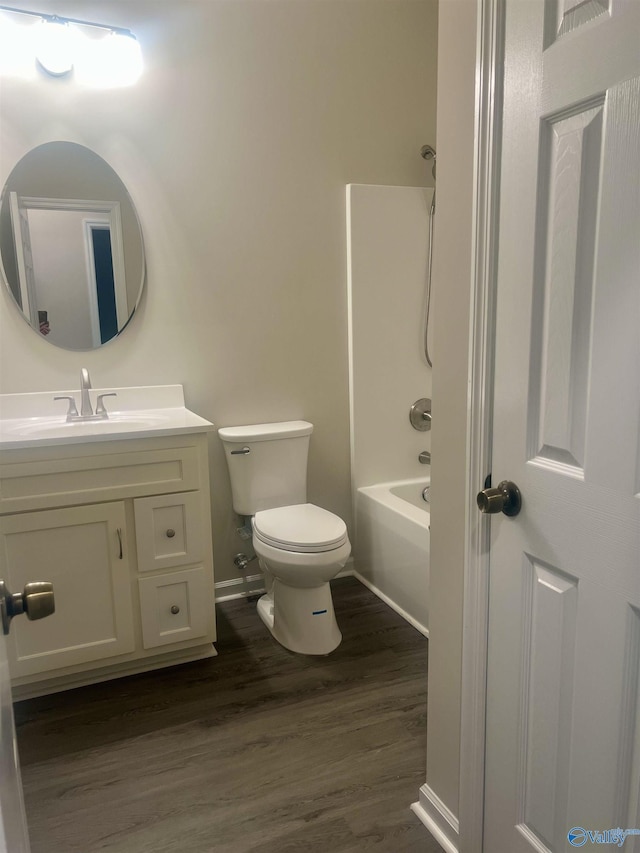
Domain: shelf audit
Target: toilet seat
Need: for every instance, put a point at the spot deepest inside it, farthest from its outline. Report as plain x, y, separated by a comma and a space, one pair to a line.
304, 528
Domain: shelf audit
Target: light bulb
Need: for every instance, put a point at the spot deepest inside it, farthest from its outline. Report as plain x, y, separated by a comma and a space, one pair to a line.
112, 61
55, 47
17, 47
126, 59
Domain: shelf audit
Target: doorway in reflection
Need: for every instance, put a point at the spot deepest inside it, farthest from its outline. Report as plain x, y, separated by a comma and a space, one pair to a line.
68, 269
105, 285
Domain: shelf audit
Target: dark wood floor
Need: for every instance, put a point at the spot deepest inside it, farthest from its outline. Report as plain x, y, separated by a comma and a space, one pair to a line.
256, 749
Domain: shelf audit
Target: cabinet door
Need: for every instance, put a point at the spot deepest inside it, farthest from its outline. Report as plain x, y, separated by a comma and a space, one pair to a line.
168, 531
82, 550
173, 607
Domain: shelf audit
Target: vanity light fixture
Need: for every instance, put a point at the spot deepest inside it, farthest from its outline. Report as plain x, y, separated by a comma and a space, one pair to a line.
98, 56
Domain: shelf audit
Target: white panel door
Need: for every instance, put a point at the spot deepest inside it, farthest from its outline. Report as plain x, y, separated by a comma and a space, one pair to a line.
24, 258
13, 820
563, 709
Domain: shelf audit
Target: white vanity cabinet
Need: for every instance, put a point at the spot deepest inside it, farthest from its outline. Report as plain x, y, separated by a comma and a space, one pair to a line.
122, 529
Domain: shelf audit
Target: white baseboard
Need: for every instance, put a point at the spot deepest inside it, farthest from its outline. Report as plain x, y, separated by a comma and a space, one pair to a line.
392, 604
239, 587
348, 571
254, 584
438, 818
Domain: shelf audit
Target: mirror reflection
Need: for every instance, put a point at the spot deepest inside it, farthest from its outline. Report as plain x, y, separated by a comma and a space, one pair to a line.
71, 246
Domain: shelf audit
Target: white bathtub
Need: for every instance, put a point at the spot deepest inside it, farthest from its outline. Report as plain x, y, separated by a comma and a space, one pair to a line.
391, 552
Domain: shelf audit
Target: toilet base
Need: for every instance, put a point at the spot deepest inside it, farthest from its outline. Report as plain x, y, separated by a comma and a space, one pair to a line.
265, 610
301, 620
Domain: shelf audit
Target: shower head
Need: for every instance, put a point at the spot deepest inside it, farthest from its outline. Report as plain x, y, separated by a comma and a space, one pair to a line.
429, 153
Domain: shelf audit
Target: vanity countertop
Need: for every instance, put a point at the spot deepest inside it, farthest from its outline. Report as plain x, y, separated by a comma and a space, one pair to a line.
36, 420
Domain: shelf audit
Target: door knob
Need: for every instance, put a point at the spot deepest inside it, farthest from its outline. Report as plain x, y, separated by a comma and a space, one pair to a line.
504, 498
36, 600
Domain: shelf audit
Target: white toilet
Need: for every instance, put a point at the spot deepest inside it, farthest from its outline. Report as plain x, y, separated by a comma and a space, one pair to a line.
300, 546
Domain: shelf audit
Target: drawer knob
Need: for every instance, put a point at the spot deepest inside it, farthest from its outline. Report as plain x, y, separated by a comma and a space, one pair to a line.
170, 533
175, 609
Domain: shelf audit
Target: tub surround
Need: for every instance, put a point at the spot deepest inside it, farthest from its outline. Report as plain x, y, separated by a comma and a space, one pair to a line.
392, 528
388, 248
388, 243
119, 522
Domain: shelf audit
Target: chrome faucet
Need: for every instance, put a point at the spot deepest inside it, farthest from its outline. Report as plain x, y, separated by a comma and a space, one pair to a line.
86, 410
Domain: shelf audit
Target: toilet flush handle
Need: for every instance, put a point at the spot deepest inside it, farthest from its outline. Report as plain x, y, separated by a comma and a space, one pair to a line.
243, 451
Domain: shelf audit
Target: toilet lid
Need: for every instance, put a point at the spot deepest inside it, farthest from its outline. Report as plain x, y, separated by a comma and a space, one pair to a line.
302, 527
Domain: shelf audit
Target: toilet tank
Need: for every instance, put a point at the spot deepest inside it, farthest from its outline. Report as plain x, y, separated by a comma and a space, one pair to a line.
267, 464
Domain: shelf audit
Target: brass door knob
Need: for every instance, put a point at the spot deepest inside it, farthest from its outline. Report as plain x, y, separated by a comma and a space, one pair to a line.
504, 498
36, 600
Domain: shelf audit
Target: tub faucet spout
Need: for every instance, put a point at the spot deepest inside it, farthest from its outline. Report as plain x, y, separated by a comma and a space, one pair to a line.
86, 410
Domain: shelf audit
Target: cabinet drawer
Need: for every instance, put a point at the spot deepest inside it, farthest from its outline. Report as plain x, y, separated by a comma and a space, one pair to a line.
168, 531
101, 477
173, 607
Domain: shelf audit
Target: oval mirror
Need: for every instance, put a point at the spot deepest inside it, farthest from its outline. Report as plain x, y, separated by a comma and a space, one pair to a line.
71, 246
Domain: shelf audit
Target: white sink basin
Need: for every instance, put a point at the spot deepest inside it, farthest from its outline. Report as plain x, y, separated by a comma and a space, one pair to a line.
50, 427
24, 429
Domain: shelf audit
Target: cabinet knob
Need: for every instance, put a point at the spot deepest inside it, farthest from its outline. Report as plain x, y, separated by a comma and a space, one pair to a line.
170, 533
175, 609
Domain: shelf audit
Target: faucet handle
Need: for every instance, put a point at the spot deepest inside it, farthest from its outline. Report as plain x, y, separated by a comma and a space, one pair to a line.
73, 409
100, 409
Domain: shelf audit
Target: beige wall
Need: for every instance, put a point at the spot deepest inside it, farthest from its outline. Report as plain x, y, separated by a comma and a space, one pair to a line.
236, 146
452, 271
